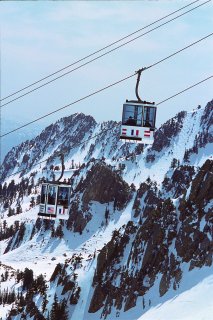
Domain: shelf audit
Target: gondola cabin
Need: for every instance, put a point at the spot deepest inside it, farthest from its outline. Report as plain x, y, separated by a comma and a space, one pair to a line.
138, 122
55, 200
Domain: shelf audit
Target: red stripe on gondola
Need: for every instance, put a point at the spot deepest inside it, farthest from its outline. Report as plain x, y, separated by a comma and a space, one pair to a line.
147, 133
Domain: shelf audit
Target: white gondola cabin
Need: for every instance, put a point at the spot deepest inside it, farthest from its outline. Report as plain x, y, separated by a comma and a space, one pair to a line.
138, 122
55, 200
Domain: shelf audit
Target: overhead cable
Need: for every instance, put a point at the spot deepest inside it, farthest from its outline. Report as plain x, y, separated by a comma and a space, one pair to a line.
107, 87
98, 134
95, 52
68, 105
96, 58
173, 54
192, 86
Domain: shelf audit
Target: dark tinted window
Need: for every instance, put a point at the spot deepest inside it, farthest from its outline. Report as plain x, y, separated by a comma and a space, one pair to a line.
63, 196
51, 198
43, 193
149, 117
132, 115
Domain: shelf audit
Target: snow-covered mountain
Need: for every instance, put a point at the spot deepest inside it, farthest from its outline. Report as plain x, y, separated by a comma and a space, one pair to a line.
140, 228
9, 141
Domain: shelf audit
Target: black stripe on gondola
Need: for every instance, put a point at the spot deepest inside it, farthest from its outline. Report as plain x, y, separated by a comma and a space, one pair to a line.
47, 215
130, 138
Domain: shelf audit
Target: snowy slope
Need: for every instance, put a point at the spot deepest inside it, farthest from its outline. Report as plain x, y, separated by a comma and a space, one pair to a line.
186, 138
193, 304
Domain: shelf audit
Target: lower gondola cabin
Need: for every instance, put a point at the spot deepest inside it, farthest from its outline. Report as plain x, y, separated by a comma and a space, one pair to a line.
55, 200
138, 122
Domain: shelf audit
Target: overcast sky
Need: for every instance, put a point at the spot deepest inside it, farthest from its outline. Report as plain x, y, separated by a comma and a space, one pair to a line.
40, 37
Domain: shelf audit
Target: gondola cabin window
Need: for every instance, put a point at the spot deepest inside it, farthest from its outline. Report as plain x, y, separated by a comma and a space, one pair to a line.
51, 197
149, 117
43, 193
132, 115
63, 197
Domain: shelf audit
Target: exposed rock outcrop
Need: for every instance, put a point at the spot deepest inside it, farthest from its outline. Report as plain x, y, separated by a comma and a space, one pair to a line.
103, 185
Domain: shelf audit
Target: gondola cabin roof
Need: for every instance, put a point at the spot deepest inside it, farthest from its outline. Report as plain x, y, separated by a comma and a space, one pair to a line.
140, 102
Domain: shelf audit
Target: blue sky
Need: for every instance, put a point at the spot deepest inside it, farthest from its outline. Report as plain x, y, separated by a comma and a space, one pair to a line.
40, 37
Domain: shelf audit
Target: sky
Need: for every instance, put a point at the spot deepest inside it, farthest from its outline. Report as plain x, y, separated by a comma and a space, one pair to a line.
40, 37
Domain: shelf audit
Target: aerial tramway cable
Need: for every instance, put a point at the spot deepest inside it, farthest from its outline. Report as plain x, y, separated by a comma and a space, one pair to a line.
98, 134
192, 86
98, 57
107, 87
91, 54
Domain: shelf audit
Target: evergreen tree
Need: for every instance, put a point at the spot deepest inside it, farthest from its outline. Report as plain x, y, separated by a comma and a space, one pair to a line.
144, 303
44, 303
63, 310
55, 309
174, 163
38, 199
106, 215
23, 316
19, 275
1, 298
32, 182
16, 225
6, 275
27, 279
11, 212
186, 156
32, 202
21, 232
2, 278
115, 204
4, 190
18, 209
47, 224
148, 180
40, 285
22, 301
72, 166
4, 224
6, 204
59, 232
52, 231
80, 229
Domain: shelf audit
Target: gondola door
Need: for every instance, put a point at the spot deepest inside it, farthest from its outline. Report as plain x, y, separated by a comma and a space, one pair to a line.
51, 201
63, 202
42, 206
